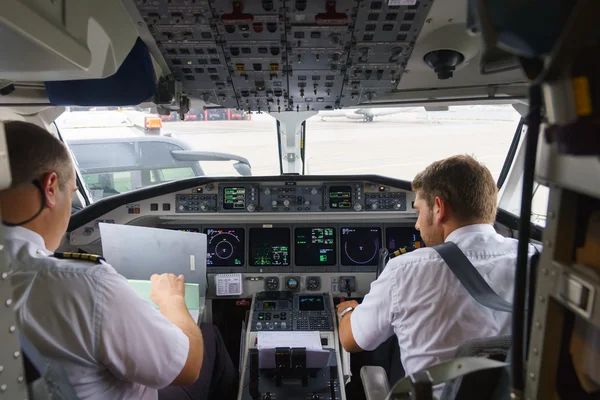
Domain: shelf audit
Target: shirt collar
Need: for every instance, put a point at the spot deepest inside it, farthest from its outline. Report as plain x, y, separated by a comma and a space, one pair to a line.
475, 228
20, 233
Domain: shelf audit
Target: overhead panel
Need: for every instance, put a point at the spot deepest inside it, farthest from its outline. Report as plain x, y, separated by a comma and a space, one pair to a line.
279, 56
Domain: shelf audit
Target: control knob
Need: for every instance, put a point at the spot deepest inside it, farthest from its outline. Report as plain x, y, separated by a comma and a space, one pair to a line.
357, 206
374, 206
314, 191
397, 206
251, 207
181, 208
203, 207
315, 396
267, 191
283, 325
270, 325
286, 203
274, 203
259, 326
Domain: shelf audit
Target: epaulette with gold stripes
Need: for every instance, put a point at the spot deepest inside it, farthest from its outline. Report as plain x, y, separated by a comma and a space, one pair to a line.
80, 256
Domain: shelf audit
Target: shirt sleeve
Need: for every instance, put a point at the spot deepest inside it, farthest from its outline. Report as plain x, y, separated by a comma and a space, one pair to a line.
371, 321
135, 341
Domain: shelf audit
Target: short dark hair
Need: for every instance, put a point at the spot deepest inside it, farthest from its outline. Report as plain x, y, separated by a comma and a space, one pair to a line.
33, 152
464, 183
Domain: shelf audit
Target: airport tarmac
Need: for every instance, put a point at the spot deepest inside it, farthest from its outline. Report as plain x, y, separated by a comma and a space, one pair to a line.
394, 148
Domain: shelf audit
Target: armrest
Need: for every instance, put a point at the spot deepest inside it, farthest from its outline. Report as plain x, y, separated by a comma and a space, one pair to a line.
375, 382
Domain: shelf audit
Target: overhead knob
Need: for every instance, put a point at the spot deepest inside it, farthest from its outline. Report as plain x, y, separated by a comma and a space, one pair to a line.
203, 207
251, 207
259, 326
357, 206
374, 206
397, 206
314, 191
274, 203
286, 203
267, 191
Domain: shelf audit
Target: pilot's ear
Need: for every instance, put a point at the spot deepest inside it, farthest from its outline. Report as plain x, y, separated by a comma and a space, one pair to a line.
50, 188
440, 209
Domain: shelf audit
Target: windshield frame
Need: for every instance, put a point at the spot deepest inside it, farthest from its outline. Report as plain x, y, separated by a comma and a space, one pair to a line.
512, 152
81, 186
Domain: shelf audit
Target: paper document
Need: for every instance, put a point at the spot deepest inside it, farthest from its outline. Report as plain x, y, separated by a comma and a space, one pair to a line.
270, 340
228, 284
192, 295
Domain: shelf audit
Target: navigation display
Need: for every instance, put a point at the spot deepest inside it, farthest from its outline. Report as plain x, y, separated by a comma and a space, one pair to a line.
315, 246
360, 246
269, 247
400, 237
340, 197
225, 247
234, 198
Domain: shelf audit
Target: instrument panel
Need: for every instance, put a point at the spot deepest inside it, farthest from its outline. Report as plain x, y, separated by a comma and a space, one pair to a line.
301, 248
277, 56
290, 197
292, 233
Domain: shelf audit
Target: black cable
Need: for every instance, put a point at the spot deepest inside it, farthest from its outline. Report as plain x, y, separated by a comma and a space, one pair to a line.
518, 321
38, 185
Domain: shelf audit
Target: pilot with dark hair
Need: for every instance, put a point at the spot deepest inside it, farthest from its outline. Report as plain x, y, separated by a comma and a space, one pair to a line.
111, 343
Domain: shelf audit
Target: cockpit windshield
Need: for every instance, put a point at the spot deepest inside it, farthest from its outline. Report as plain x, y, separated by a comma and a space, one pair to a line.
400, 142
121, 150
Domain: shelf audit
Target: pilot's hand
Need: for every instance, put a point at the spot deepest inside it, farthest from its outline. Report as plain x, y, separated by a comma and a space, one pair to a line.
342, 306
166, 287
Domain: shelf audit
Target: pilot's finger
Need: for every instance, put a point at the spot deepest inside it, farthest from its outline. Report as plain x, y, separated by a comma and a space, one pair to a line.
153, 277
180, 277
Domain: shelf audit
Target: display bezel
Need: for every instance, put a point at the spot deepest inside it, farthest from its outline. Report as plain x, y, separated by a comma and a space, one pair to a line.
252, 266
298, 251
408, 228
372, 263
225, 188
243, 243
322, 303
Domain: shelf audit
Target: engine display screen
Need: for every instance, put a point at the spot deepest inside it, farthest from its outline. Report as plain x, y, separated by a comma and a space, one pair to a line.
315, 246
340, 197
269, 247
400, 237
234, 198
311, 303
360, 246
193, 230
269, 305
225, 247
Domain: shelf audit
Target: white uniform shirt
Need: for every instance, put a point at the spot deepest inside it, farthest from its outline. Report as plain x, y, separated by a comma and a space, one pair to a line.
111, 342
420, 300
